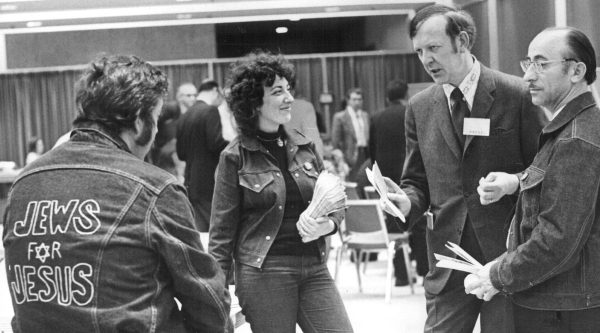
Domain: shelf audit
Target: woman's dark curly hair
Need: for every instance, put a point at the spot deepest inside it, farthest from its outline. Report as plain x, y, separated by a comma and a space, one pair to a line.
247, 80
115, 90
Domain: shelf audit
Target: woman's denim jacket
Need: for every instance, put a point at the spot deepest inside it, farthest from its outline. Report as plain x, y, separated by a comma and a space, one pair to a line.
97, 240
249, 198
553, 258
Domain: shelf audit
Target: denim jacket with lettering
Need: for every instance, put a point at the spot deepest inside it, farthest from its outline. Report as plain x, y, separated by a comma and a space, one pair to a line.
553, 258
249, 198
97, 240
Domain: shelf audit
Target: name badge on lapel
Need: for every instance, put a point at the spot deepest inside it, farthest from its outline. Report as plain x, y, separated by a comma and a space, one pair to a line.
476, 126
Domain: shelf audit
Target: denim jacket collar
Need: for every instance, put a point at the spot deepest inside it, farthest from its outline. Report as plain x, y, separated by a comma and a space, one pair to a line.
294, 138
572, 109
96, 133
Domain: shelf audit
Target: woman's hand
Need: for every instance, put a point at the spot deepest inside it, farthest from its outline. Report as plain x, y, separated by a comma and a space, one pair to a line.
311, 229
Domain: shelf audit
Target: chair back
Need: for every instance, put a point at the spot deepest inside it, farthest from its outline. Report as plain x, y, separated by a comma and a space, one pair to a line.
364, 225
370, 192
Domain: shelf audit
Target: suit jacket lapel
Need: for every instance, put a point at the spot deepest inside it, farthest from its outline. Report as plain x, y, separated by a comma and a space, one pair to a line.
441, 112
483, 100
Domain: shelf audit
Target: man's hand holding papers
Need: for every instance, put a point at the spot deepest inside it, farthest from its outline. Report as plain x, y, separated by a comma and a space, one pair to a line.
480, 285
390, 194
478, 282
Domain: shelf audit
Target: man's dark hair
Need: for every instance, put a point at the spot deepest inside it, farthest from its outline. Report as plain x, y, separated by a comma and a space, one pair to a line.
396, 90
247, 80
581, 49
207, 85
355, 90
457, 21
114, 90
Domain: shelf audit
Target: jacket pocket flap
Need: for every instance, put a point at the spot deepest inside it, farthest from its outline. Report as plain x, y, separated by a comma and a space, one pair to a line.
531, 177
256, 182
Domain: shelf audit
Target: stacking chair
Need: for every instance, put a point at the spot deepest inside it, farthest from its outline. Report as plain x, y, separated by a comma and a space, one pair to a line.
370, 192
364, 230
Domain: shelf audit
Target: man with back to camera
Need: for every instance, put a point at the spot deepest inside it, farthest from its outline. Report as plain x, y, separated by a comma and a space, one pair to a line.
96, 239
387, 147
163, 152
474, 120
551, 267
199, 144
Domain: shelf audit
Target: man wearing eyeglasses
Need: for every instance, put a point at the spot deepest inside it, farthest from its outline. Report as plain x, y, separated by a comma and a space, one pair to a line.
552, 266
474, 120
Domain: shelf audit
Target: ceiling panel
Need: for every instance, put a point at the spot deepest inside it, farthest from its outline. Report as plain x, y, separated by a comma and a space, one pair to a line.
26, 16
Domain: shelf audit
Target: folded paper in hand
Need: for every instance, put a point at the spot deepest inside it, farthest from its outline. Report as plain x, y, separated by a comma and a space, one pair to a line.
376, 179
468, 264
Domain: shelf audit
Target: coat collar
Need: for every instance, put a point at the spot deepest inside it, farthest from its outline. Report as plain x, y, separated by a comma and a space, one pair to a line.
95, 132
484, 98
572, 109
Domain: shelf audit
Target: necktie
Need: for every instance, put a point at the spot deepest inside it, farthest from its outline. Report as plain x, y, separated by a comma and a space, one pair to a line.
459, 109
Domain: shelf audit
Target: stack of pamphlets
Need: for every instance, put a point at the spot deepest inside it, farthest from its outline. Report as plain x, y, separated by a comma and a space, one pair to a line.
329, 196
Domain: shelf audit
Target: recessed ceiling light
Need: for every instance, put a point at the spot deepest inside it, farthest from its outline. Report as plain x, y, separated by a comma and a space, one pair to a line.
34, 24
8, 7
184, 16
281, 30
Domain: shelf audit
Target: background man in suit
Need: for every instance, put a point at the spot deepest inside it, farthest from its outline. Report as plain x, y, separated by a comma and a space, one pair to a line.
387, 147
163, 152
199, 144
447, 154
350, 132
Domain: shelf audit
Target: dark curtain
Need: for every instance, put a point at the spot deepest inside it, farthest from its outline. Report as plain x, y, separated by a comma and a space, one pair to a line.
371, 74
34, 105
178, 74
42, 104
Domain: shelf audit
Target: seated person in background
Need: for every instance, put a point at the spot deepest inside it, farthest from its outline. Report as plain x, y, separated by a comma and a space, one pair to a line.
96, 239
35, 149
333, 160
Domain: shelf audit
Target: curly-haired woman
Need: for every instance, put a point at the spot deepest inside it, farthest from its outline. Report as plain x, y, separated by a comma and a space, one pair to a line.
264, 182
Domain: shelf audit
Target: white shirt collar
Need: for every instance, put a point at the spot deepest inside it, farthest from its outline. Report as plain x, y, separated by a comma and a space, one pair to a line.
468, 86
352, 112
551, 115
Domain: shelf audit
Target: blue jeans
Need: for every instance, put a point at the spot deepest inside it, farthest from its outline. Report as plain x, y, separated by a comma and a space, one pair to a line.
289, 290
453, 311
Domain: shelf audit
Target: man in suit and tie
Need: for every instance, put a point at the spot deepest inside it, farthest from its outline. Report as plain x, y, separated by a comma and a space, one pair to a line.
472, 121
350, 132
387, 147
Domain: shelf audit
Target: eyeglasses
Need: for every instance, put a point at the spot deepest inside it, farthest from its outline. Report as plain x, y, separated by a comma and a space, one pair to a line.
540, 66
